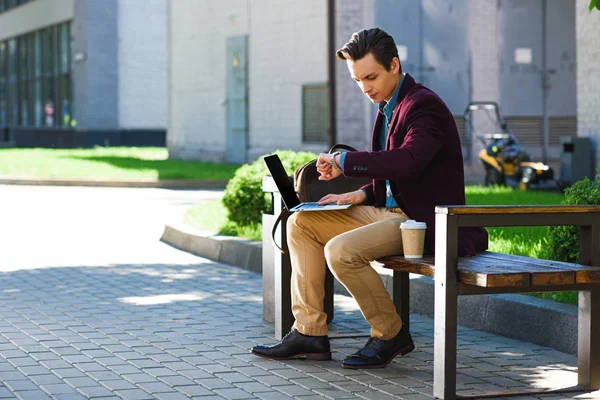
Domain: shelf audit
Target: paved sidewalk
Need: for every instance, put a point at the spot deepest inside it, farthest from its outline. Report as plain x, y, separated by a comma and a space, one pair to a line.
175, 331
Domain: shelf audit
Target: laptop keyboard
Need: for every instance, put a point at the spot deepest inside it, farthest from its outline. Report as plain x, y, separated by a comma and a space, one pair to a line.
311, 205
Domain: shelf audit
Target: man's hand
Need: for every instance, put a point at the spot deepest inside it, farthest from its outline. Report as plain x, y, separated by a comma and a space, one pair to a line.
325, 168
356, 197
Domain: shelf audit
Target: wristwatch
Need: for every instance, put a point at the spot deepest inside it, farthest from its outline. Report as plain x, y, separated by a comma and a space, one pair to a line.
332, 160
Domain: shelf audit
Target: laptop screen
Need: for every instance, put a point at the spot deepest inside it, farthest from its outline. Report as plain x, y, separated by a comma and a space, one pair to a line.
282, 181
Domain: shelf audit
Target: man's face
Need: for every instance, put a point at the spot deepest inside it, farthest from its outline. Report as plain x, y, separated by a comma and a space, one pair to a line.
373, 79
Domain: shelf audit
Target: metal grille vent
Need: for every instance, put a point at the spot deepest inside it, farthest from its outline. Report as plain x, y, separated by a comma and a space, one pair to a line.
528, 130
561, 126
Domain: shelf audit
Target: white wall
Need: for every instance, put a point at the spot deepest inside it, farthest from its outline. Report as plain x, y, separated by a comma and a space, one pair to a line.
142, 36
484, 51
354, 111
588, 72
288, 48
197, 34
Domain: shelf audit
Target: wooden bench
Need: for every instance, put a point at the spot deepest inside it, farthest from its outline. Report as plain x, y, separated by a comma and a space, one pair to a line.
488, 273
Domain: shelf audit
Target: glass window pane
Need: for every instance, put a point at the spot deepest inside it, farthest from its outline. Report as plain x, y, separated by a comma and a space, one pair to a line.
49, 50
38, 102
24, 95
49, 104
13, 104
66, 100
65, 45
3, 79
37, 53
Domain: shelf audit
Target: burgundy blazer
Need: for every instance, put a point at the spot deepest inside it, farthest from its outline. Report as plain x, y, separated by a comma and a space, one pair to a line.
422, 160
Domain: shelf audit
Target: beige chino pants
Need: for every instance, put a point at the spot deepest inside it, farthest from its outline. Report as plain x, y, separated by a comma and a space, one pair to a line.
347, 240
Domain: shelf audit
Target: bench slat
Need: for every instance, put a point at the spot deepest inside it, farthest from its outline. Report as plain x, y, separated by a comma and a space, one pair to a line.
539, 275
583, 273
490, 269
421, 266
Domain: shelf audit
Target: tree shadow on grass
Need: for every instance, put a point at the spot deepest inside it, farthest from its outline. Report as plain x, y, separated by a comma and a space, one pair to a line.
167, 169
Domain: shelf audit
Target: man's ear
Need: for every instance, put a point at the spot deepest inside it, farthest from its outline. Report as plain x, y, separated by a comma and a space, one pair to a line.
395, 65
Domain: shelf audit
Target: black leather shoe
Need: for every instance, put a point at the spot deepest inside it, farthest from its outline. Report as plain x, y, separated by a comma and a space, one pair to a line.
378, 353
296, 345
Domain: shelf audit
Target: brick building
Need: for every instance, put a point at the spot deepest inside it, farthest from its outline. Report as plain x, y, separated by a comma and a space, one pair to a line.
248, 77
83, 72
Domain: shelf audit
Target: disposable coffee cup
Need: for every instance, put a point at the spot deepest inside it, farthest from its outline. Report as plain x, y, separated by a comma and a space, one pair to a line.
413, 238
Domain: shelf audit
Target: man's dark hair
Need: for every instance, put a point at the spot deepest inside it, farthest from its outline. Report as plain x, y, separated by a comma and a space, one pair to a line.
374, 41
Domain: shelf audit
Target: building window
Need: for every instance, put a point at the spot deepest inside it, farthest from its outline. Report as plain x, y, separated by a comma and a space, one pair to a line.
6, 5
3, 86
315, 113
35, 79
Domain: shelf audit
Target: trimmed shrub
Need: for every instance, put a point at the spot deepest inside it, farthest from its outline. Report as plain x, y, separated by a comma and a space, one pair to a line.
244, 198
564, 240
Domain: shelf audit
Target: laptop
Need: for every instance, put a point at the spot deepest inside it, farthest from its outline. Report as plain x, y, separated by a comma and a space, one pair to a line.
286, 189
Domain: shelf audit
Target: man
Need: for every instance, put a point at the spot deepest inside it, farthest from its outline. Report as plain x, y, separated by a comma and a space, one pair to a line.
415, 163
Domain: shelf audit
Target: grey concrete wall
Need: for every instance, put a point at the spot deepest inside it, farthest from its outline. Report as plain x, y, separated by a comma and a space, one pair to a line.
197, 34
288, 45
287, 42
354, 111
588, 72
95, 65
142, 58
485, 63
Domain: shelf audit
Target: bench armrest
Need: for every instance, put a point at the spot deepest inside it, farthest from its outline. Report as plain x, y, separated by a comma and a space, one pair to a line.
587, 217
542, 215
492, 210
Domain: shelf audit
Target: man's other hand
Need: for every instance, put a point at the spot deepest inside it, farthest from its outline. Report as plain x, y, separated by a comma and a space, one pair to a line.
356, 197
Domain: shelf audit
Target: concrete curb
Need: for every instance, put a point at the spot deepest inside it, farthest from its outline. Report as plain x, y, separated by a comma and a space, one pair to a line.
524, 318
135, 183
234, 251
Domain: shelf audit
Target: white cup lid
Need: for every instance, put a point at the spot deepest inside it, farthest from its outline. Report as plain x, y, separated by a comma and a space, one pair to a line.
412, 224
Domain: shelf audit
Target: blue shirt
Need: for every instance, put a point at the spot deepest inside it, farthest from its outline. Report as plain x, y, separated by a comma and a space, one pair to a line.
387, 109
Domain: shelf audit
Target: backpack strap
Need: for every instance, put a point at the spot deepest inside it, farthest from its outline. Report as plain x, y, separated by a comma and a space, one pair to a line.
282, 218
340, 146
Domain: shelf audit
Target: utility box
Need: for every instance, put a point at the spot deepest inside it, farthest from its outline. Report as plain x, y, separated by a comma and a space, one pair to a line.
577, 159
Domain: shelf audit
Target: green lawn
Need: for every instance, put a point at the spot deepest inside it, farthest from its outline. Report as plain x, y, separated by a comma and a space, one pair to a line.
211, 216
107, 162
526, 241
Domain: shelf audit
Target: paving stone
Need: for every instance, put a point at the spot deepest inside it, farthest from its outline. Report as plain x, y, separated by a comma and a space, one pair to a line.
195, 390
70, 396
334, 393
156, 387
58, 388
36, 394
214, 383
20, 385
233, 377
294, 390
47, 379
134, 394
81, 382
68, 373
173, 396
274, 395
176, 380
233, 393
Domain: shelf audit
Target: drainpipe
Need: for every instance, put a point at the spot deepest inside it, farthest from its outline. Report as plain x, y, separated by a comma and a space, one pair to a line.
331, 70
